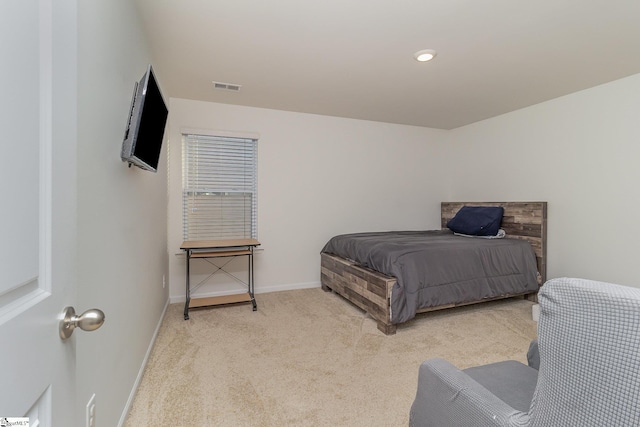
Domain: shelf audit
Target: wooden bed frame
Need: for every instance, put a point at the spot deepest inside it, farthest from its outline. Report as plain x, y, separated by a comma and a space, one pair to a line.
371, 291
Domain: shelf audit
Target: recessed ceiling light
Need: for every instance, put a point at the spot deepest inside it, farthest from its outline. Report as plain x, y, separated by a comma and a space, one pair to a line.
425, 55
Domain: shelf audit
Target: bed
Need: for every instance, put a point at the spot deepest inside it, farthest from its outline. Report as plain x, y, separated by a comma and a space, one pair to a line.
391, 292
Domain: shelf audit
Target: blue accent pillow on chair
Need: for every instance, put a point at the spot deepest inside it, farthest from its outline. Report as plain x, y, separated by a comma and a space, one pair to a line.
477, 220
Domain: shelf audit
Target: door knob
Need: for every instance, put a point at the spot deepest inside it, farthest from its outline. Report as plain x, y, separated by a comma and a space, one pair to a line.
90, 320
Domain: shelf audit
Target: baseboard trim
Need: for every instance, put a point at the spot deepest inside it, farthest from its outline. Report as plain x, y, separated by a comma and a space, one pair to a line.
261, 290
136, 384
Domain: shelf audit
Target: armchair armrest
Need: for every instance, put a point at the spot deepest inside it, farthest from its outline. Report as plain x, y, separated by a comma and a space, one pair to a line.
447, 396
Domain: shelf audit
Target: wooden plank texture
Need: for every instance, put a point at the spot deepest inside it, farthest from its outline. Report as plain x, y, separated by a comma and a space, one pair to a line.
365, 288
221, 300
210, 244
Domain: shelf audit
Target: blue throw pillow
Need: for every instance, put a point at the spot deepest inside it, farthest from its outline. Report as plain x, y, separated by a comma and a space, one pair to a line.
477, 220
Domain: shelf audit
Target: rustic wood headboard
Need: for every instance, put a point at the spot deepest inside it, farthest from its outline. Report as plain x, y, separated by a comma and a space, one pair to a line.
521, 220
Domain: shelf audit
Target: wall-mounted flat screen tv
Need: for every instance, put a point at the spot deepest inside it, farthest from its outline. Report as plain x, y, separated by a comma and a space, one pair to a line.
145, 128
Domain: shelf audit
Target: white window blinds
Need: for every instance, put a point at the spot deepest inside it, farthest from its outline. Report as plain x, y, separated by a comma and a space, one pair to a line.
219, 187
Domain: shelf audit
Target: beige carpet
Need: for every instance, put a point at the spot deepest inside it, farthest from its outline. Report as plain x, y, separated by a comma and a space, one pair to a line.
310, 358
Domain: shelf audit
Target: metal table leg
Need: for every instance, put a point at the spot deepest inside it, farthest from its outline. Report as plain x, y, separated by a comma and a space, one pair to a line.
253, 299
187, 290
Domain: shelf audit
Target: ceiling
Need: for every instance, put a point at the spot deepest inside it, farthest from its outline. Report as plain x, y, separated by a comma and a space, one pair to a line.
354, 58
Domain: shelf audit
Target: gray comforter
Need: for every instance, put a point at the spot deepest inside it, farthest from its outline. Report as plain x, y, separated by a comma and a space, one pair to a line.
436, 267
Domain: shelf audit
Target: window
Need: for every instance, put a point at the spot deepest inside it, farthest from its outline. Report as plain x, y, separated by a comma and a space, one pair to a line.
219, 187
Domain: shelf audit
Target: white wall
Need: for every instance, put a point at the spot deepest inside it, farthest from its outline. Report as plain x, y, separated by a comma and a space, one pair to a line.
320, 176
121, 213
317, 176
580, 154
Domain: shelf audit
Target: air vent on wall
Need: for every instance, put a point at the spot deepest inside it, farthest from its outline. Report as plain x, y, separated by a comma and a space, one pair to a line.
226, 86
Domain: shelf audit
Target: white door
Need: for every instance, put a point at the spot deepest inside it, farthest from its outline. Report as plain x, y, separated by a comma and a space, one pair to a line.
37, 208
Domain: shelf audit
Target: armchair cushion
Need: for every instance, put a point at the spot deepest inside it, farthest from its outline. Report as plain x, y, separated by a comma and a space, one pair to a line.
510, 381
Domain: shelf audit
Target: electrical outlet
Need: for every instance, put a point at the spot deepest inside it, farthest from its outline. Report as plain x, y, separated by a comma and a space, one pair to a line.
163, 281
91, 411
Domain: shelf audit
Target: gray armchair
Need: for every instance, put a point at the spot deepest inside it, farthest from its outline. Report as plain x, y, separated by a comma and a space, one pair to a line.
588, 352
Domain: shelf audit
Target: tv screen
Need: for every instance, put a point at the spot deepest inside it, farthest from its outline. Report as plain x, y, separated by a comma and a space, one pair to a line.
145, 130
